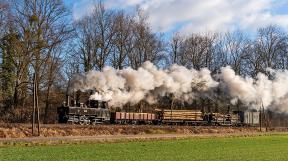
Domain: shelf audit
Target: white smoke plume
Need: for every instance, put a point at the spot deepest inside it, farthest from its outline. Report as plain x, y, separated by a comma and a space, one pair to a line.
149, 83
271, 93
146, 83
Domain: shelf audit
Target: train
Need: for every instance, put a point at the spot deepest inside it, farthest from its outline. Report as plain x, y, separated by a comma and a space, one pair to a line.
97, 112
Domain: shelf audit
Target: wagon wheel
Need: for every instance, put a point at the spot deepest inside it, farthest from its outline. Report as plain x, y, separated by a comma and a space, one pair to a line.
93, 123
72, 120
87, 121
134, 122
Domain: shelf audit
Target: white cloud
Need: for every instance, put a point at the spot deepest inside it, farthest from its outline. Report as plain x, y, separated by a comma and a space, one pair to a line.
82, 8
200, 15
123, 3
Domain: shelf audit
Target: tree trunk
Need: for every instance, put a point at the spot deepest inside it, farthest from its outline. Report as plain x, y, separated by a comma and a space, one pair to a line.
47, 103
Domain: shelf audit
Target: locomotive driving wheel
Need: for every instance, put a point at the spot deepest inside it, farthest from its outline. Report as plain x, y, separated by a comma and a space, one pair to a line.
83, 120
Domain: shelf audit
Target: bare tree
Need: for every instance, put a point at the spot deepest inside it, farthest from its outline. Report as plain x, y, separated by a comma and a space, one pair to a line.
53, 75
197, 51
236, 47
269, 50
147, 45
123, 40
85, 49
95, 35
117, 39
174, 48
4, 14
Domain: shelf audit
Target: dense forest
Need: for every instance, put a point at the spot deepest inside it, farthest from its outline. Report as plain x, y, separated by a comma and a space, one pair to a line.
40, 41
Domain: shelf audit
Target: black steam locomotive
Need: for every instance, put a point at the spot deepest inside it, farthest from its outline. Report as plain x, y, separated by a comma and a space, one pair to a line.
97, 112
93, 112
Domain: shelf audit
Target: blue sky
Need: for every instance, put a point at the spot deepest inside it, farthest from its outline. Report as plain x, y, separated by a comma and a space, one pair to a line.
198, 16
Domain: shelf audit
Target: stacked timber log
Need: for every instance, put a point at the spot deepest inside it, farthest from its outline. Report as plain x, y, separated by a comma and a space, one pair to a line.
225, 117
195, 115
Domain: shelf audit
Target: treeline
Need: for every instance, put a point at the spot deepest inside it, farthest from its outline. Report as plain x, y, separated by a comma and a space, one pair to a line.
39, 39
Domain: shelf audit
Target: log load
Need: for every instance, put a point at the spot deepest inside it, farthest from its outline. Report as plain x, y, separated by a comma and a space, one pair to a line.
185, 115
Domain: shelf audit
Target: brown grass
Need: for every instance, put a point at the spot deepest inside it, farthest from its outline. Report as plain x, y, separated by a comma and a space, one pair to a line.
54, 130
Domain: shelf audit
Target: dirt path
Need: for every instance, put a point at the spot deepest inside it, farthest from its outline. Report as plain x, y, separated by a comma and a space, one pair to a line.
95, 138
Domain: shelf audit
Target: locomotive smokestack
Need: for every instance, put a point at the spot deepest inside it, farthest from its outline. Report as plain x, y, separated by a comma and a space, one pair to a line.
67, 100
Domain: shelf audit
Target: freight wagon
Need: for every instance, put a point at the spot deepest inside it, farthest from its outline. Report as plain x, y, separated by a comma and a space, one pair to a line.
132, 118
187, 117
249, 117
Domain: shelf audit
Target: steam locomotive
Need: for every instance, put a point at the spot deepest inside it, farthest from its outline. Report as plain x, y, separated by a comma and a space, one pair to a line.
97, 112
93, 112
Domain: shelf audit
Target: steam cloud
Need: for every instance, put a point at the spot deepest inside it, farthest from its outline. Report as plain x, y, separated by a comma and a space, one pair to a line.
262, 91
149, 83
146, 83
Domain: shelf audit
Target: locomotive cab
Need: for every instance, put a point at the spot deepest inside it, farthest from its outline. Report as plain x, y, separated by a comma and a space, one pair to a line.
98, 104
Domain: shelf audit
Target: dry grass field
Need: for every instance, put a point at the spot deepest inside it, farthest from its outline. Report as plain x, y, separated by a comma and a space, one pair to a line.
54, 130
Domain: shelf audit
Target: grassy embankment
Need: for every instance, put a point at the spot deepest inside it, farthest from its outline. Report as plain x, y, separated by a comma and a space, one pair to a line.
250, 148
